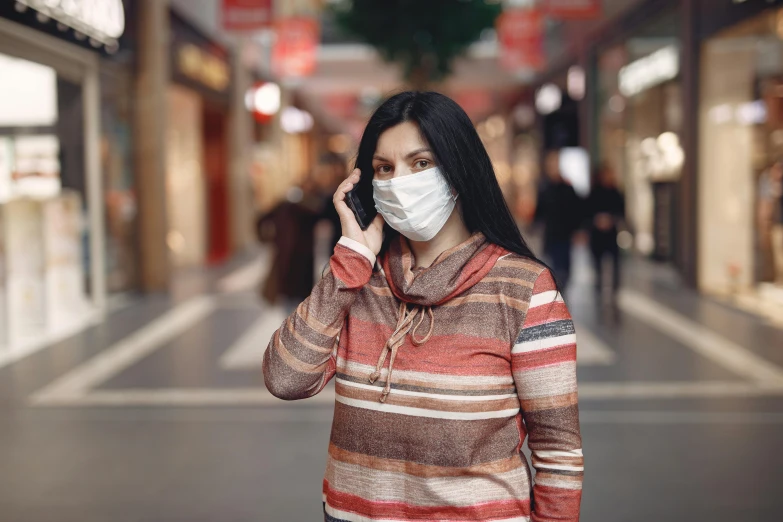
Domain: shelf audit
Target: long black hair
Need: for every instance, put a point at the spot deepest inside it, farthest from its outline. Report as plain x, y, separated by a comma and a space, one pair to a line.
461, 157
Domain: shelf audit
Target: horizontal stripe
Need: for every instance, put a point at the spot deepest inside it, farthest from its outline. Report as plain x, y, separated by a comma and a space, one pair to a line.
357, 247
459, 391
470, 381
550, 402
545, 298
543, 344
426, 491
557, 454
516, 462
500, 299
565, 467
425, 440
430, 395
547, 381
353, 505
338, 515
421, 412
549, 329
396, 399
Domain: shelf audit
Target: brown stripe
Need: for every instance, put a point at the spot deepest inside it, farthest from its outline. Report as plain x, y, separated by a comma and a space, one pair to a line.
398, 379
442, 442
398, 399
313, 322
424, 470
503, 299
292, 361
508, 280
550, 403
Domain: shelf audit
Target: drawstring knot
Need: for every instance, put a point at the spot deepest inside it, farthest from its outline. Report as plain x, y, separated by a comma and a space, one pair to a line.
404, 323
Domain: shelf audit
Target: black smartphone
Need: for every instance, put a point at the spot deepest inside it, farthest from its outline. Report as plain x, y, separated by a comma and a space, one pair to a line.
361, 203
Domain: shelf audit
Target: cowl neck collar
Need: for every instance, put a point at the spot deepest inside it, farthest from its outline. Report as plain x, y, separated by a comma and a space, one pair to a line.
453, 271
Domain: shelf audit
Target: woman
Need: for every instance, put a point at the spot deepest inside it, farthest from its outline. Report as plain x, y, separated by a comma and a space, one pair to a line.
606, 212
449, 348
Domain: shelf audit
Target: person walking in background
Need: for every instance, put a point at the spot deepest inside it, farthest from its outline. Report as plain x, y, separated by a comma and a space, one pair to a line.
605, 212
290, 226
559, 209
449, 341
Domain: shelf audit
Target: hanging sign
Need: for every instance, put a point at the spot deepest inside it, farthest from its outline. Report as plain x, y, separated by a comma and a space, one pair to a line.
571, 9
521, 36
102, 21
246, 15
293, 54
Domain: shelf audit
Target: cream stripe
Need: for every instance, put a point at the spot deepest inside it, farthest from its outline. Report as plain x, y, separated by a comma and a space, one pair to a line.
554, 481
457, 491
357, 247
564, 467
543, 298
547, 381
459, 398
555, 454
543, 344
470, 380
421, 412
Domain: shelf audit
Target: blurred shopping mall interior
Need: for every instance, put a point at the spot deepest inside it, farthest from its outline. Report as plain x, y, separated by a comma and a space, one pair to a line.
156, 154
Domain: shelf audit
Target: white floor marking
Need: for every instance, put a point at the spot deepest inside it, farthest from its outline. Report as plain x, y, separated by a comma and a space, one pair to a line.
261, 397
77, 387
133, 348
590, 350
701, 339
247, 353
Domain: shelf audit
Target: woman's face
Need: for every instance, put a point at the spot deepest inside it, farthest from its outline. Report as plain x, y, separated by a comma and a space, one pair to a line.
401, 151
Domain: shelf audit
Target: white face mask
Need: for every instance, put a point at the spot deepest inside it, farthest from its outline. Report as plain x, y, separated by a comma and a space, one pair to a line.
417, 205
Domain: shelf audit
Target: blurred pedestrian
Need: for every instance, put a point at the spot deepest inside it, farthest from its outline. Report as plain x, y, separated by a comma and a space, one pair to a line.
770, 223
560, 210
605, 211
290, 228
449, 339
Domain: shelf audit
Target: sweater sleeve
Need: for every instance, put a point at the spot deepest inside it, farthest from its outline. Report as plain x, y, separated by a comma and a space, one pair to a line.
543, 362
300, 359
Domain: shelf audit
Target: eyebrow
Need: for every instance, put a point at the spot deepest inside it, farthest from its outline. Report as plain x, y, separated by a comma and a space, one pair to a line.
407, 156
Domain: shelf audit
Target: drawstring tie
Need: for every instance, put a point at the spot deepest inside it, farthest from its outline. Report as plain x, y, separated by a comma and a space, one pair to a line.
404, 323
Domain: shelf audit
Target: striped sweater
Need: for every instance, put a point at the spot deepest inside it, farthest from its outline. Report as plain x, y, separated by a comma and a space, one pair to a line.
484, 356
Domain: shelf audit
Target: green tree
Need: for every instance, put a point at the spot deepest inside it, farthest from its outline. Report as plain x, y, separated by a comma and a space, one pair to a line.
425, 36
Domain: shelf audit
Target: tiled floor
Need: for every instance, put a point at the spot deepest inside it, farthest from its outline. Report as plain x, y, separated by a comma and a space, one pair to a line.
159, 414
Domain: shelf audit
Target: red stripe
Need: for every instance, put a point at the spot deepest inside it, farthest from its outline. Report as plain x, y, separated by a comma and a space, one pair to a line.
402, 511
557, 311
350, 267
556, 504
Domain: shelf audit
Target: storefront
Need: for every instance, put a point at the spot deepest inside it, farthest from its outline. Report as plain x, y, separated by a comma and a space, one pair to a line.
197, 160
638, 127
56, 141
740, 153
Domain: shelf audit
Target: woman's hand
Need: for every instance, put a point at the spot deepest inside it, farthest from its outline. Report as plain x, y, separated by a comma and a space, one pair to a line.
373, 236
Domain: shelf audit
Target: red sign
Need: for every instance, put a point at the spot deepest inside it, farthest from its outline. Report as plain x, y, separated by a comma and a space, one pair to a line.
294, 51
571, 9
246, 15
521, 36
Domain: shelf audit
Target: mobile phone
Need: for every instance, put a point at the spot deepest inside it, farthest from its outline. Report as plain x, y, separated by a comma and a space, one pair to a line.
362, 204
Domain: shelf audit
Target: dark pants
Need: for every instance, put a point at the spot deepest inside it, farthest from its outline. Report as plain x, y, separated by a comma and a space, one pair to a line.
559, 254
602, 247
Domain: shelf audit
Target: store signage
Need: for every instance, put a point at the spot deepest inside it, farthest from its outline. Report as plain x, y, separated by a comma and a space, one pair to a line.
571, 9
293, 55
203, 67
246, 15
102, 21
521, 36
659, 67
